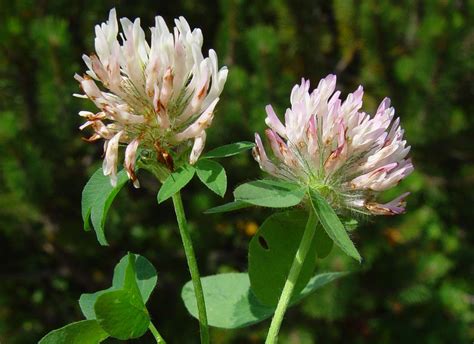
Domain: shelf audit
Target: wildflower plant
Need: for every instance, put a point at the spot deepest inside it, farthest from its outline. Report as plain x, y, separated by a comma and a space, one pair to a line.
156, 100
328, 161
331, 160
160, 97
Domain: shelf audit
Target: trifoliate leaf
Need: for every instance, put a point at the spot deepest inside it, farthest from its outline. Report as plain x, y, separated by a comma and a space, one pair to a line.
122, 313
145, 277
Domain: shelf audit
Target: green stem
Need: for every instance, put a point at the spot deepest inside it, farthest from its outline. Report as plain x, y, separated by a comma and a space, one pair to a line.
290, 282
193, 268
159, 339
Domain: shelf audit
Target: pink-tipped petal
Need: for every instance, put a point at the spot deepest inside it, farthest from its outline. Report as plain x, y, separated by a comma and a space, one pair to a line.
198, 147
274, 122
394, 207
326, 142
109, 165
198, 127
130, 158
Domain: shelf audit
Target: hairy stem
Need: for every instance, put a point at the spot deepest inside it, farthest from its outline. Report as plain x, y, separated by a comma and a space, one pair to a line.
290, 282
193, 268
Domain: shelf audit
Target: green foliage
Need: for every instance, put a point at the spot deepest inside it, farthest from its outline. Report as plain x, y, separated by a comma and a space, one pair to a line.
330, 303
175, 182
122, 314
350, 224
420, 54
324, 243
432, 267
81, 332
415, 294
213, 175
230, 302
271, 254
119, 311
229, 150
231, 206
97, 198
332, 225
145, 277
270, 193
454, 297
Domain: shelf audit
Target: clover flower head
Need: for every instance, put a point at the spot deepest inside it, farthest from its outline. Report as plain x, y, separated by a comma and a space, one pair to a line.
158, 97
333, 147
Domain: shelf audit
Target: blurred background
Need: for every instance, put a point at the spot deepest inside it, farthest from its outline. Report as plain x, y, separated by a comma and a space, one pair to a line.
416, 283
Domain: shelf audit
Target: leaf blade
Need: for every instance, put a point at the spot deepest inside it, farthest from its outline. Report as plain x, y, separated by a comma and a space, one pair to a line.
81, 332
97, 197
175, 182
270, 193
275, 244
145, 276
324, 243
229, 150
231, 206
316, 282
231, 304
122, 314
229, 301
213, 175
333, 226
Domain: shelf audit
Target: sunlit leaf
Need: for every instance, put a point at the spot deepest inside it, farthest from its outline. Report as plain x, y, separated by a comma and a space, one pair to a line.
175, 182
230, 302
213, 175
270, 193
145, 277
231, 206
229, 150
333, 226
81, 332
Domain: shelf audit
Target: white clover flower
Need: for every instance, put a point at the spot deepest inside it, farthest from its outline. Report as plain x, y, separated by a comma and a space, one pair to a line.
160, 96
333, 147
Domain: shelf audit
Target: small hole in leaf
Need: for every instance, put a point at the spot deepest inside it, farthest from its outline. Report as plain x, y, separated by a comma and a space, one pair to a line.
263, 242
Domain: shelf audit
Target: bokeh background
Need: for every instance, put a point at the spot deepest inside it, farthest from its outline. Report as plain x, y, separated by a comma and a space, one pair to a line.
416, 282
